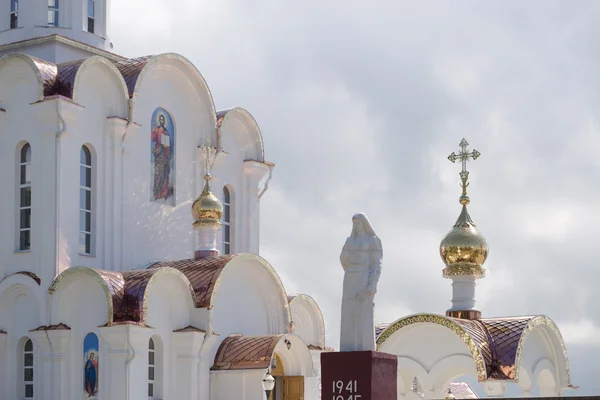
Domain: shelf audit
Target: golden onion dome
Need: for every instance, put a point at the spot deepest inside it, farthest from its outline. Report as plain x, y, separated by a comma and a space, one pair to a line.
207, 209
464, 249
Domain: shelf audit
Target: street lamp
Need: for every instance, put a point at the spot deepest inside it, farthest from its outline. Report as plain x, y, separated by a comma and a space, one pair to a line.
268, 383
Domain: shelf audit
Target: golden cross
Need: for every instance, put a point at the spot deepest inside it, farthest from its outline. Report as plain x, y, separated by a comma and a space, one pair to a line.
210, 154
464, 155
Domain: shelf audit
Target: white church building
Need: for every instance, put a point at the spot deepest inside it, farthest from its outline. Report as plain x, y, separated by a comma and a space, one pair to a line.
111, 285
129, 272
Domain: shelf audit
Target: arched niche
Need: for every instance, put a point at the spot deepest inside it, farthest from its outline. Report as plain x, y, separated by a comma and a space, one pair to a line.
94, 305
239, 132
100, 87
20, 79
168, 301
249, 288
308, 320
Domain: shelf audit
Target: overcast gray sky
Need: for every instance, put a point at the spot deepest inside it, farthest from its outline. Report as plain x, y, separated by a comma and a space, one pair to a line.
361, 102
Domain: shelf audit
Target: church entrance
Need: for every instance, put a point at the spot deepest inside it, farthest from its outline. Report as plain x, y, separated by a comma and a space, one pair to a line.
286, 387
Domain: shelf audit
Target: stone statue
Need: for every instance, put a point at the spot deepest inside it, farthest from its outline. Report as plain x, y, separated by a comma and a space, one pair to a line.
361, 260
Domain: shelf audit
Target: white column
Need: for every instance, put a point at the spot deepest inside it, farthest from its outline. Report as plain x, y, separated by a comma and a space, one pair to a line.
187, 352
494, 389
54, 380
463, 293
254, 172
206, 361
126, 373
3, 367
122, 152
112, 166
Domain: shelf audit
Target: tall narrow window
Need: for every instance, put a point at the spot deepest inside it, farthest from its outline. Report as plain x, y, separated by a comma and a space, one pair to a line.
53, 12
151, 365
226, 247
85, 201
91, 15
28, 369
25, 198
14, 14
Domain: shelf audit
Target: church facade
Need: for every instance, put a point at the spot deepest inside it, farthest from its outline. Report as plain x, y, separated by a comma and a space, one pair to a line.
113, 282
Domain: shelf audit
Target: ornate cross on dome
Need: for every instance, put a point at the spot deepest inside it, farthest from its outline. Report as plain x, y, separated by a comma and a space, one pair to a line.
210, 154
464, 155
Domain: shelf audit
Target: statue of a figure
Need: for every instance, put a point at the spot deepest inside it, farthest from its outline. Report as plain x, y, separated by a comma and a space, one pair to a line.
361, 260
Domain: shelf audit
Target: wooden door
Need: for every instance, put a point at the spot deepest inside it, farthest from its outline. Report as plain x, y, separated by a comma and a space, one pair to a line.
293, 388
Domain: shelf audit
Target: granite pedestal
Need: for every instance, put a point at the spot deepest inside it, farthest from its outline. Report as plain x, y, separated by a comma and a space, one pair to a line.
358, 375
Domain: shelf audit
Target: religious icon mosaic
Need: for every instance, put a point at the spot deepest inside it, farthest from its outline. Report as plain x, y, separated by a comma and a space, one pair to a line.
162, 157
90, 366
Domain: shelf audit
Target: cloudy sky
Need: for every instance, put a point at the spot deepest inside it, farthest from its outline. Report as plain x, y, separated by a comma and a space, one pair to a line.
360, 103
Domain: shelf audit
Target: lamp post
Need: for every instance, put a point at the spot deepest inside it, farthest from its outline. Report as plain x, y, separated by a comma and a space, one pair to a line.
268, 383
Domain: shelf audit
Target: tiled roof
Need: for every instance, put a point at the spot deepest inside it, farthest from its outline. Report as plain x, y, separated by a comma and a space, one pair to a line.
221, 116
497, 340
57, 327
462, 390
67, 72
116, 287
245, 352
132, 306
379, 329
48, 72
505, 335
60, 79
130, 69
190, 329
26, 273
127, 289
202, 274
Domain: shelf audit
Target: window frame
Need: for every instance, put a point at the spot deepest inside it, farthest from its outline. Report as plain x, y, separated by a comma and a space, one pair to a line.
25, 168
226, 221
14, 14
28, 383
91, 17
151, 367
53, 9
86, 192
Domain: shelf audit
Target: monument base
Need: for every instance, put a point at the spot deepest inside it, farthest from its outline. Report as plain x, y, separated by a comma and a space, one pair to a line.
359, 375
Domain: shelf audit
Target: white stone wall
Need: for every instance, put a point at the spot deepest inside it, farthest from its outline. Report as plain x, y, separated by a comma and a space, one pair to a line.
129, 230
33, 19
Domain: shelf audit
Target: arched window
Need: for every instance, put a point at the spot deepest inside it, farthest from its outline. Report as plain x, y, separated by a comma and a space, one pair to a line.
226, 241
28, 369
85, 201
91, 11
25, 197
151, 364
155, 371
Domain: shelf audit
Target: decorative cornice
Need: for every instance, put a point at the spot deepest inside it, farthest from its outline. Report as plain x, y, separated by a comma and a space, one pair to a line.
462, 269
548, 323
64, 40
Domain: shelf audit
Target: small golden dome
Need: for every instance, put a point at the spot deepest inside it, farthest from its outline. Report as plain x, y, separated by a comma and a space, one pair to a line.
207, 209
464, 249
